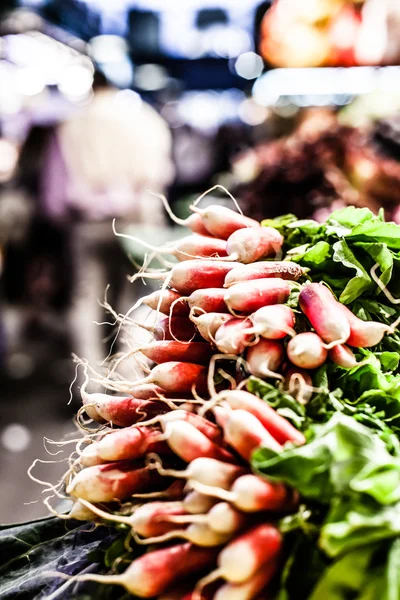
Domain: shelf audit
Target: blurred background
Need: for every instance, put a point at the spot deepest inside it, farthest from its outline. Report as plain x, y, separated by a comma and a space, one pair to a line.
293, 106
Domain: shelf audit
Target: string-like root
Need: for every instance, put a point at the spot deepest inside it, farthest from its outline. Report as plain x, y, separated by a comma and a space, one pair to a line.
211, 370
218, 186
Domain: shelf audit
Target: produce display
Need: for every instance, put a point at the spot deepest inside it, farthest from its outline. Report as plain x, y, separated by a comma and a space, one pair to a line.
258, 455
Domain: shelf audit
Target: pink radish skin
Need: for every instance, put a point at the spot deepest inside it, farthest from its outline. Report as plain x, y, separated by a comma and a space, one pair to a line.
206, 471
178, 377
243, 557
206, 427
189, 443
232, 337
162, 300
221, 221
248, 590
278, 426
199, 246
252, 295
221, 518
306, 351
152, 519
273, 322
106, 483
363, 334
125, 411
211, 300
244, 432
174, 328
343, 356
195, 223
152, 573
192, 275
196, 503
264, 358
209, 323
199, 534
264, 270
129, 443
251, 494
324, 313
167, 350
248, 245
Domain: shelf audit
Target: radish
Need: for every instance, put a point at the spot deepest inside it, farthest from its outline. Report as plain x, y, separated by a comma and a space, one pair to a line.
343, 356
162, 300
176, 376
206, 427
167, 350
80, 512
196, 503
264, 358
221, 518
273, 322
148, 520
195, 223
221, 221
242, 558
199, 534
248, 590
106, 483
278, 426
306, 350
250, 296
264, 270
232, 337
248, 245
190, 275
124, 411
152, 573
207, 471
324, 313
191, 246
129, 443
174, 328
244, 432
189, 443
209, 323
211, 300
250, 493
363, 334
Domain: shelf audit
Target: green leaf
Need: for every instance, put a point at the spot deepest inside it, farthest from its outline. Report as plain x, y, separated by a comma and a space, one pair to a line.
358, 284
315, 256
376, 231
350, 216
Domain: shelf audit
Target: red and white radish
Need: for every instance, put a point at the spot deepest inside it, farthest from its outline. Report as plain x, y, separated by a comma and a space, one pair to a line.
199, 534
167, 350
152, 573
250, 296
324, 313
242, 558
106, 483
232, 337
273, 322
251, 494
176, 376
162, 300
248, 245
124, 411
208, 324
264, 358
364, 334
248, 590
343, 356
306, 350
193, 246
222, 518
207, 471
190, 275
129, 443
278, 426
264, 270
173, 328
244, 432
206, 427
221, 221
196, 503
211, 300
189, 443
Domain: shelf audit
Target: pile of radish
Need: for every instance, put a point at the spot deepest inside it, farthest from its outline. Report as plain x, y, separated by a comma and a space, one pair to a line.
171, 457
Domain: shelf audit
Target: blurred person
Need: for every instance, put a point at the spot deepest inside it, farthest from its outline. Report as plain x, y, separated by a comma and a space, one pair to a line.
34, 283
100, 164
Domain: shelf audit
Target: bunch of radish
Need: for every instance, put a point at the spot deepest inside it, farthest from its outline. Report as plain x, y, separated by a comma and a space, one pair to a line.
172, 458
